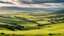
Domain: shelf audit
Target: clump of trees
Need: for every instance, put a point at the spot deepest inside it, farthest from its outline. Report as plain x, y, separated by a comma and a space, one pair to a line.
13, 27
39, 25
53, 21
18, 27
56, 19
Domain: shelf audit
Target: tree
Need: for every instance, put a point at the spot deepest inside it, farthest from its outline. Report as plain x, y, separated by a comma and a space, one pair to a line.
19, 27
11, 28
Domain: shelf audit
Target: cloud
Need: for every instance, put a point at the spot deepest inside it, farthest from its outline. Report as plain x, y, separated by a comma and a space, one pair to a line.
40, 1
6, 2
33, 3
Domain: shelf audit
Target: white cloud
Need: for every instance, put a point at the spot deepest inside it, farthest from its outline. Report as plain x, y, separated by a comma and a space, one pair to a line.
42, 5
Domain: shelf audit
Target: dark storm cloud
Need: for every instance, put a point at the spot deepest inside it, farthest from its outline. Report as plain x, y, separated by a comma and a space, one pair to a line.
40, 1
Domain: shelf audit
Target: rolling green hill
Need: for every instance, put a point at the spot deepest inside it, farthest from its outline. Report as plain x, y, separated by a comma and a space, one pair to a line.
27, 24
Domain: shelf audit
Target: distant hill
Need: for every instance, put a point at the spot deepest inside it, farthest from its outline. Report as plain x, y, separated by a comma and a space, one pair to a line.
60, 12
30, 9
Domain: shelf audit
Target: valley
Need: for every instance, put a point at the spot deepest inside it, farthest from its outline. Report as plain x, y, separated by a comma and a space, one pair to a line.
31, 23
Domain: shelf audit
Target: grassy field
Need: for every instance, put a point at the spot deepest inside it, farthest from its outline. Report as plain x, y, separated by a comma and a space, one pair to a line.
30, 24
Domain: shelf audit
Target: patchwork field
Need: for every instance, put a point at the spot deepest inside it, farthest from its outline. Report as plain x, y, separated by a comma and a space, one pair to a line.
32, 24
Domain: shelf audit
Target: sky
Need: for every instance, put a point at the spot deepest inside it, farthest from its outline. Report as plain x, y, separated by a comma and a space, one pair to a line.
32, 3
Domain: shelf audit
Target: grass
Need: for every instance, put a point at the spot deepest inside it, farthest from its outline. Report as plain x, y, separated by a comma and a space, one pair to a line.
43, 22
59, 28
47, 30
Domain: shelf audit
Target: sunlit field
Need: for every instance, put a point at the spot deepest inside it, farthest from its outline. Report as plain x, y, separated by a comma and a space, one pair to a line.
31, 24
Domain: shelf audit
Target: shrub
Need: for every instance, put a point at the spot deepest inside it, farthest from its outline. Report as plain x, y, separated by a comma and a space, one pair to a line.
50, 33
2, 33
49, 26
